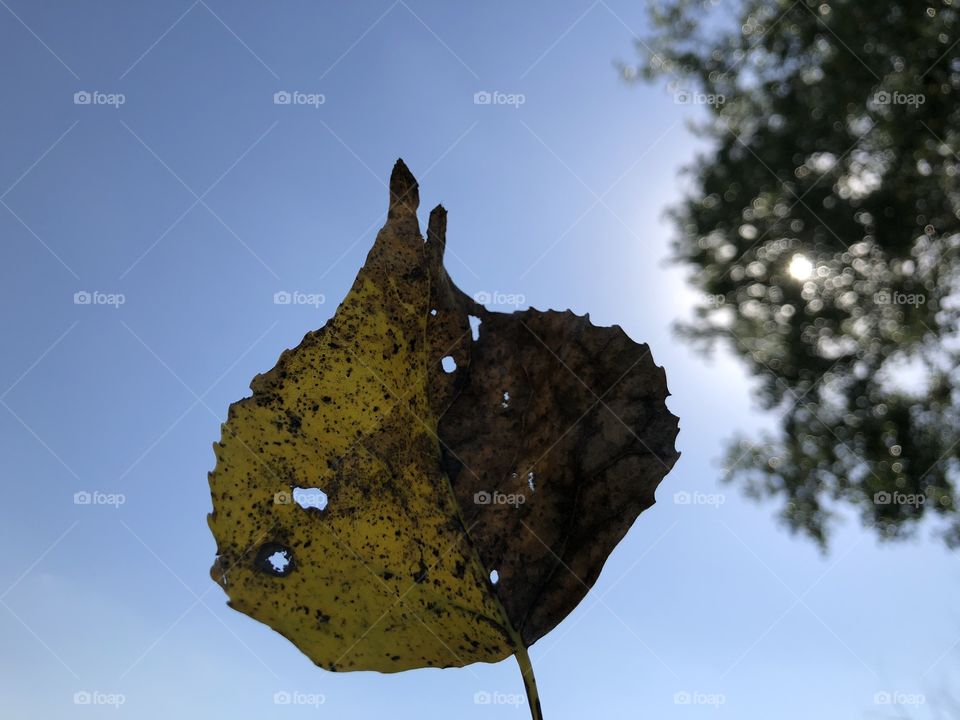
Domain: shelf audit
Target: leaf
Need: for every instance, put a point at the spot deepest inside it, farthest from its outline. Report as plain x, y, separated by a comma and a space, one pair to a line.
532, 459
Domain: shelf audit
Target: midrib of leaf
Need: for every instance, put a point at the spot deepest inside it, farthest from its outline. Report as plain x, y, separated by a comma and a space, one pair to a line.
519, 648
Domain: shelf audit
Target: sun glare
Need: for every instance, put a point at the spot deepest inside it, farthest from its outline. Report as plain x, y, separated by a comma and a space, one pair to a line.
800, 267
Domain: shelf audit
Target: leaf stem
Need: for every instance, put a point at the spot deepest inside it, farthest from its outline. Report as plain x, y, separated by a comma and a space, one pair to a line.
529, 682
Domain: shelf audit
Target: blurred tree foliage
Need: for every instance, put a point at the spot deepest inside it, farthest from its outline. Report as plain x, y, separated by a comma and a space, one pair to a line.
822, 228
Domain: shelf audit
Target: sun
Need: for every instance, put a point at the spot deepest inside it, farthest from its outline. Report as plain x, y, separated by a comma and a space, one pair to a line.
800, 267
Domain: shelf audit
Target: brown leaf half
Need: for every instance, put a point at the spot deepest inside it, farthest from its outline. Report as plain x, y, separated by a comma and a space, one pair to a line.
555, 435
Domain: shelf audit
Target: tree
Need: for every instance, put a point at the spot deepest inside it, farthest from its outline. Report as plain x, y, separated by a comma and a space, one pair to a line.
822, 227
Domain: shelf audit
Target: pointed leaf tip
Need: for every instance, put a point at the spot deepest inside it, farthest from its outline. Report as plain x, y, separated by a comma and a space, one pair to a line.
404, 191
437, 228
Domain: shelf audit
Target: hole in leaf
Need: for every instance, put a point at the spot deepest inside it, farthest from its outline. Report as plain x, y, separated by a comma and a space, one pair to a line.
279, 560
474, 326
274, 559
449, 364
505, 403
494, 577
433, 311
310, 498
530, 481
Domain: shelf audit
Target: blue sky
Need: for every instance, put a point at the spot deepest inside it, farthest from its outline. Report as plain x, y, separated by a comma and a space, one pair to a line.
198, 198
